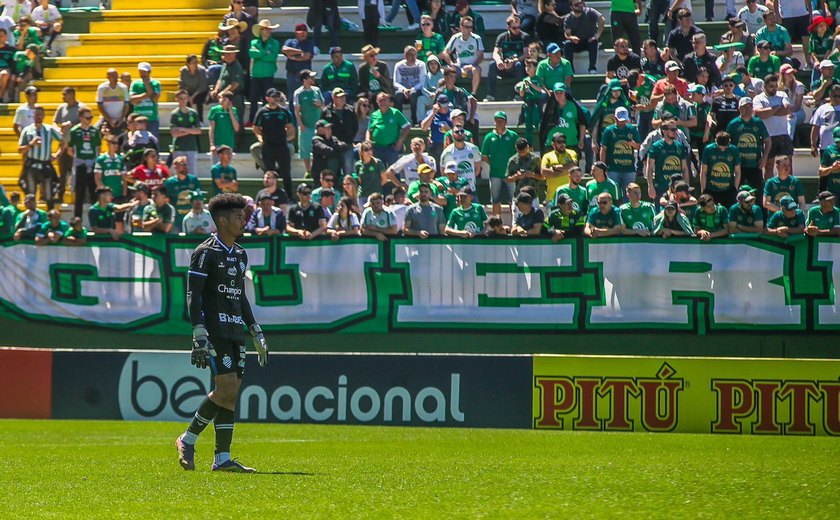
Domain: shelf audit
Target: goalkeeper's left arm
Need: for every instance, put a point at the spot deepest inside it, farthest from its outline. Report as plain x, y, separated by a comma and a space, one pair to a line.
256, 331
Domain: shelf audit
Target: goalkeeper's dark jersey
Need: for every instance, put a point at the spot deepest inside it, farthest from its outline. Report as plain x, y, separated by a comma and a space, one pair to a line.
216, 289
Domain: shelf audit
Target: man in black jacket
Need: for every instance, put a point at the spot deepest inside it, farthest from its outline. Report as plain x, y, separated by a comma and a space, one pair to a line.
326, 150
345, 125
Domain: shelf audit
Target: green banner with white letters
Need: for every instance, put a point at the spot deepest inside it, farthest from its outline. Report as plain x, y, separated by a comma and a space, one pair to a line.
407, 284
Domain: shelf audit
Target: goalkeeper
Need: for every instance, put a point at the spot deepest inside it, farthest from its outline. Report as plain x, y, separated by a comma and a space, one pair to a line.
220, 312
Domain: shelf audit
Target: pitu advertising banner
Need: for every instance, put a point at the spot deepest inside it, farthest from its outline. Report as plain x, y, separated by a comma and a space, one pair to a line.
687, 395
363, 285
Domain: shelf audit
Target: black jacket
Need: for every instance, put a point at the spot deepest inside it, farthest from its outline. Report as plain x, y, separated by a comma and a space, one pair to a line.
325, 154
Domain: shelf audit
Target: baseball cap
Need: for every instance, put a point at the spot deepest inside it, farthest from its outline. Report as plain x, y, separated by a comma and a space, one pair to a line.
681, 186
272, 92
500, 115
336, 50
451, 166
443, 99
559, 87
745, 196
747, 188
306, 73
698, 89
33, 47
141, 186
322, 123
787, 67
621, 114
338, 92
31, 89
552, 48
304, 187
787, 202
144, 66
465, 191
672, 65
563, 198
670, 204
746, 100
197, 195
301, 27
826, 63
825, 195
263, 197
455, 113
425, 168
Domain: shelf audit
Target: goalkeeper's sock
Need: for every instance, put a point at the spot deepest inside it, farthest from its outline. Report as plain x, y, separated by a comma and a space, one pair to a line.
206, 412
224, 434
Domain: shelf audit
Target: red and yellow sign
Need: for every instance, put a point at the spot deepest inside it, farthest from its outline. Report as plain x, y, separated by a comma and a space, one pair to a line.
688, 395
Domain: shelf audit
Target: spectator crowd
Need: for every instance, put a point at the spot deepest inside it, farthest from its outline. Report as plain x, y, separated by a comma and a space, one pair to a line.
685, 138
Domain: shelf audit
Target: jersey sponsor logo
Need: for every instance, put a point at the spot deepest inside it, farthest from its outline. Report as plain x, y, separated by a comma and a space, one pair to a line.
230, 292
230, 318
672, 164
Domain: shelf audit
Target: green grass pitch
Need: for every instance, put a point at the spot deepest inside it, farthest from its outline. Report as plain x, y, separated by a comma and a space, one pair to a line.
99, 469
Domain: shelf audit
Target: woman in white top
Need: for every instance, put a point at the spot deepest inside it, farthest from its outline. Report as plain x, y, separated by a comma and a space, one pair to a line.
344, 221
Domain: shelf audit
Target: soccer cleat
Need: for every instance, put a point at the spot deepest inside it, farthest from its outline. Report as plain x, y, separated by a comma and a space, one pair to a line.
233, 466
186, 454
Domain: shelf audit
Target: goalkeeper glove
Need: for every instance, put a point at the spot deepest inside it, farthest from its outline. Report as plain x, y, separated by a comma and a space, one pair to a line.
202, 348
259, 344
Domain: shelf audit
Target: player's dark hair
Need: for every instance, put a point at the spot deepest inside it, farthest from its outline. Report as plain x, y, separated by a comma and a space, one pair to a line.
494, 221
160, 189
521, 143
722, 139
222, 204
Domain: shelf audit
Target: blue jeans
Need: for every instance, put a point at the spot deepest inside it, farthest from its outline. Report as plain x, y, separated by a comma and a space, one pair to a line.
347, 161
570, 48
386, 154
395, 10
622, 179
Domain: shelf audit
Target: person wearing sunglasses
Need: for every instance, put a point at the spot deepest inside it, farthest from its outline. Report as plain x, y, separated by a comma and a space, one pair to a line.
604, 220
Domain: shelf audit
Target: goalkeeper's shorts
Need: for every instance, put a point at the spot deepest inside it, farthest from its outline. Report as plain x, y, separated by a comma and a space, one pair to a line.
230, 357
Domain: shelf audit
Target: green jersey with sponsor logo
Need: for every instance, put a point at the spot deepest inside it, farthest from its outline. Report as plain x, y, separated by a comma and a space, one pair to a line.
640, 217
85, 142
823, 221
471, 219
711, 222
779, 219
188, 119
166, 213
645, 91
667, 160
112, 170
595, 188
776, 188
721, 163
749, 137
567, 124
829, 155
385, 128
620, 155
550, 75
451, 199
579, 196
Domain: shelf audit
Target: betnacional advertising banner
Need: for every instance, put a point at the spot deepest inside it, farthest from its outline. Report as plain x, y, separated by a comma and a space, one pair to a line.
687, 395
408, 284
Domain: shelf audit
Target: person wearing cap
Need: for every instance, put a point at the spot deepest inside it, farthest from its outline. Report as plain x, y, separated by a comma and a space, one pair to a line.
231, 79
824, 218
377, 221
778, 36
821, 87
698, 58
678, 43
326, 150
725, 107
583, 29
458, 118
604, 219
426, 175
671, 222
566, 220
784, 184
730, 56
345, 126
274, 129
48, 19
306, 220
509, 53
198, 220
465, 51
409, 77
181, 187
637, 214
795, 90
619, 143
523, 169
308, 103
672, 73
720, 171
35, 145
749, 134
25, 112
665, 158
103, 213
773, 107
465, 154
711, 219
745, 216
405, 169
263, 52
450, 184
339, 74
679, 192
564, 116
429, 43
387, 129
463, 10
497, 148
144, 95
374, 76
467, 219
298, 51
267, 219
788, 221
437, 122
752, 15
554, 68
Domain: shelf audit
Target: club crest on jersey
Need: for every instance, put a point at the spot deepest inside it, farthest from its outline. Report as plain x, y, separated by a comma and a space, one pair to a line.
227, 361
231, 271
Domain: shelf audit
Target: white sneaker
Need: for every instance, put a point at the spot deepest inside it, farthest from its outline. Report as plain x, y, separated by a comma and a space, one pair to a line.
413, 27
490, 98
